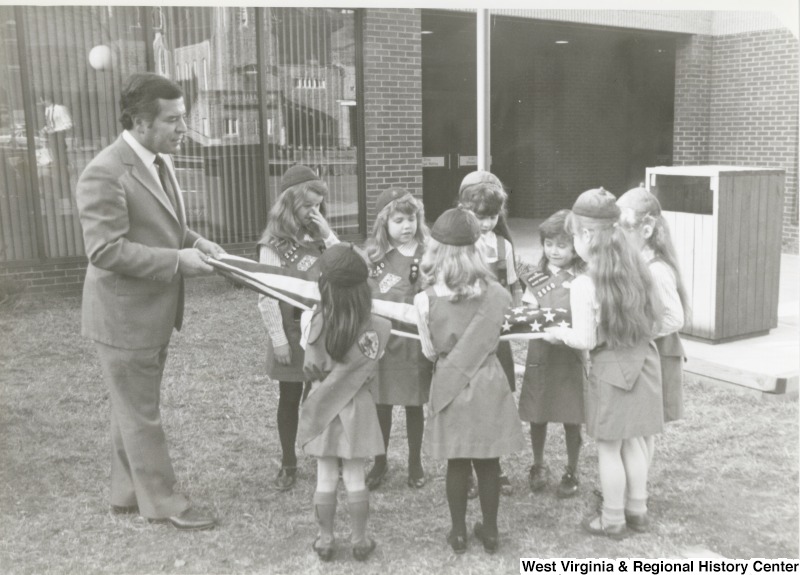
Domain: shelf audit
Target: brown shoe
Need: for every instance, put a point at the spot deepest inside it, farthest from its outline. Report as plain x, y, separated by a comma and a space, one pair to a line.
325, 550
124, 509
362, 551
285, 479
637, 522
595, 526
538, 477
189, 520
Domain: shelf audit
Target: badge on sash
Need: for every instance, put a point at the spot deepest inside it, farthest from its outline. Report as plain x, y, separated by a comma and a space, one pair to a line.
368, 344
305, 264
387, 282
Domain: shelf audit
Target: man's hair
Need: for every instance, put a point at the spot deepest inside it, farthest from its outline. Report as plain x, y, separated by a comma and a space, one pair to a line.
140, 96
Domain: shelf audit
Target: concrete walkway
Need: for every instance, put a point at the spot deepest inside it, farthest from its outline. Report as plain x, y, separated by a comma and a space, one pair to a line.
768, 365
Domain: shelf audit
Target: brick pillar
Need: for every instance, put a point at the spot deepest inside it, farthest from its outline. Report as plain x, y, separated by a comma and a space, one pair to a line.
392, 102
693, 59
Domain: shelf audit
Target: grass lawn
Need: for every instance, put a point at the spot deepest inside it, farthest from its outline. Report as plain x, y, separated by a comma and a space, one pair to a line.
724, 478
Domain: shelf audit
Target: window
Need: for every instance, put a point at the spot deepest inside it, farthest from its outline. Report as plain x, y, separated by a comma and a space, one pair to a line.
231, 126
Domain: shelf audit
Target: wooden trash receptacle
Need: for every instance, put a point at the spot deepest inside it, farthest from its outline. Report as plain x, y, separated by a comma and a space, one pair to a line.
726, 226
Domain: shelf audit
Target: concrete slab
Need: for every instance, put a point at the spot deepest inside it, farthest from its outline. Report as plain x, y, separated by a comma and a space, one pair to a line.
768, 364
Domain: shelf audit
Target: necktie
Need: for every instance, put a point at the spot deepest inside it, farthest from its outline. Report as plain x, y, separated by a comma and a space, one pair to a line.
166, 182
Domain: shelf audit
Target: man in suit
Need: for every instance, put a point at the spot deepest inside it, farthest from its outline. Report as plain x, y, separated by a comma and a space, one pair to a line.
140, 250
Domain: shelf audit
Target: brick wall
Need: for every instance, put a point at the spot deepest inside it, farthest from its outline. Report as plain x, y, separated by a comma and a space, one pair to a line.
754, 112
392, 102
736, 102
35, 279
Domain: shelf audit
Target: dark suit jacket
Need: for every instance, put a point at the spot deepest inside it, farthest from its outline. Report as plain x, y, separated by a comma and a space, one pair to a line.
132, 295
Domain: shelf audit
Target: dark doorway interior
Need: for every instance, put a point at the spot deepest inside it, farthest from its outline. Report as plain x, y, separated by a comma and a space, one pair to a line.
573, 107
449, 106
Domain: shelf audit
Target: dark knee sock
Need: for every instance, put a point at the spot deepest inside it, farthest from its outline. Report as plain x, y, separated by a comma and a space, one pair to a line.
538, 437
415, 423
457, 484
288, 413
572, 435
385, 421
488, 471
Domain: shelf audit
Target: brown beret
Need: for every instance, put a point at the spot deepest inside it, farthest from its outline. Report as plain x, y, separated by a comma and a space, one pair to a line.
388, 196
456, 227
342, 266
297, 175
597, 203
640, 201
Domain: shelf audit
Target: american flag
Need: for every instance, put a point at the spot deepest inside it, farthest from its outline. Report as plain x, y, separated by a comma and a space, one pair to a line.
297, 289
528, 322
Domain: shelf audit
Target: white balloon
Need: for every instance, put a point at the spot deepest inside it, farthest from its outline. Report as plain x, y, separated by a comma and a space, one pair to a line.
100, 57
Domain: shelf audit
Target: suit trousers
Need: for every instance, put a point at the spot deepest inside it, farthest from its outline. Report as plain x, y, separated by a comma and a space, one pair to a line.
141, 469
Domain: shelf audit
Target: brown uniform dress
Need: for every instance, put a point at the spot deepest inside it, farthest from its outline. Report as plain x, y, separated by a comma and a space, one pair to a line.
552, 388
670, 348
622, 393
301, 258
471, 412
404, 376
338, 418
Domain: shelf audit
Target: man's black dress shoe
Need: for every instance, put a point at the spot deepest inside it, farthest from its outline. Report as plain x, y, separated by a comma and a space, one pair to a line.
189, 520
124, 509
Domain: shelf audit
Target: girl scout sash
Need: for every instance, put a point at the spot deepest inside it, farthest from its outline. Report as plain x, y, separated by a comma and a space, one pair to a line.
344, 379
455, 370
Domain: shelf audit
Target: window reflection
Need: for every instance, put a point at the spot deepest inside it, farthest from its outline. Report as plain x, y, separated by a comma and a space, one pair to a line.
253, 111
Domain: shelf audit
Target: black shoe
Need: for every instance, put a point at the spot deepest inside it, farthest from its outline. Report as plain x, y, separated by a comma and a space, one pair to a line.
568, 486
472, 492
538, 477
189, 520
458, 542
489, 541
376, 476
505, 485
324, 552
285, 479
364, 550
124, 509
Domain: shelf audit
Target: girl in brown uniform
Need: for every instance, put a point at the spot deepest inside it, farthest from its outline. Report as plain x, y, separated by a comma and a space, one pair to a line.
552, 388
472, 415
338, 418
395, 250
615, 314
648, 231
296, 235
483, 194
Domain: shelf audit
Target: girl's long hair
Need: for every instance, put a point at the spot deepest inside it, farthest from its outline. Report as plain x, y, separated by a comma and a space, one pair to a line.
485, 195
629, 308
660, 241
463, 269
344, 311
554, 228
282, 222
378, 243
